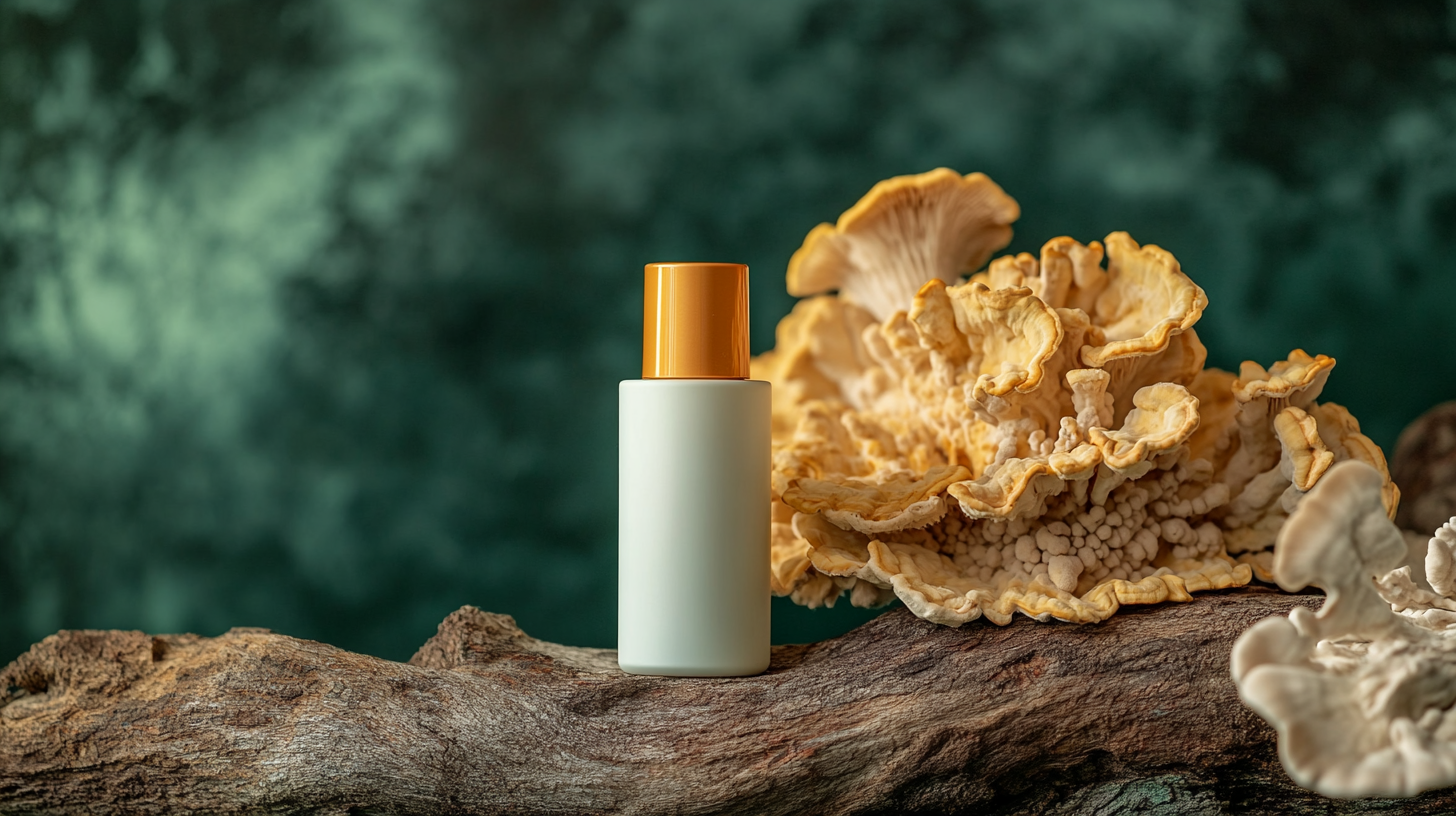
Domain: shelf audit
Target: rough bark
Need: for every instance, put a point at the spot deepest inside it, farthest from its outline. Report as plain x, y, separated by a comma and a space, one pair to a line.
1137, 714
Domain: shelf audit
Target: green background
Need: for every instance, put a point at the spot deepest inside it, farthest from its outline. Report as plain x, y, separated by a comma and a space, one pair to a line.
312, 313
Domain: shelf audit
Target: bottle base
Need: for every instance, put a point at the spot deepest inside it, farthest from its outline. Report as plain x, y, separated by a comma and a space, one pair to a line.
693, 671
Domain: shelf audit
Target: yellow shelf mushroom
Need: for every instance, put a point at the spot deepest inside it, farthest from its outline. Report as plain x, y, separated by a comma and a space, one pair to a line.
1042, 437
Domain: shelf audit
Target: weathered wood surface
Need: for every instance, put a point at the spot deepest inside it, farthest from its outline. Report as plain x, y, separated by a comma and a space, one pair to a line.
1137, 714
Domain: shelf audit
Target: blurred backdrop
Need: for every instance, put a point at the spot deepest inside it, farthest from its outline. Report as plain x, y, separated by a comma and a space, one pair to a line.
312, 313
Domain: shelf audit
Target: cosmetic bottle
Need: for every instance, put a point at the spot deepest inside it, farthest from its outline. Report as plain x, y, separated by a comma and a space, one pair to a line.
693, 492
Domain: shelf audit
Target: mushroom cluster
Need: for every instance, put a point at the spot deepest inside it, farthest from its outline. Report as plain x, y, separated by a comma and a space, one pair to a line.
1041, 437
1362, 691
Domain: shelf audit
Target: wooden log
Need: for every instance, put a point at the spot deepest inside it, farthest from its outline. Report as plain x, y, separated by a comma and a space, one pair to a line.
899, 716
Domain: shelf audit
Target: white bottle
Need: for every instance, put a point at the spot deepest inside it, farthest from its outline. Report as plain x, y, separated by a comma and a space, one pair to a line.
693, 498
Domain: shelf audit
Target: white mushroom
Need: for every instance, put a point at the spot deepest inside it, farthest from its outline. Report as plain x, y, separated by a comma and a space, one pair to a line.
1361, 692
1441, 560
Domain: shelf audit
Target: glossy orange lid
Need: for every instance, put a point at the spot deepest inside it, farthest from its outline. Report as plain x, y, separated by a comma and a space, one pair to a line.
695, 321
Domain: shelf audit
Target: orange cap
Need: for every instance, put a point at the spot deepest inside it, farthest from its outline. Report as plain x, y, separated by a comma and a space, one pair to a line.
695, 321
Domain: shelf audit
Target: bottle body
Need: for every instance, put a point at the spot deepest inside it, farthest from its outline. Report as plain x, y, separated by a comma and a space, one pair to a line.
693, 527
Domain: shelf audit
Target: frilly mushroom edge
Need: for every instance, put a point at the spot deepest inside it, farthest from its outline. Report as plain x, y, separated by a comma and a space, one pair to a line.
1042, 437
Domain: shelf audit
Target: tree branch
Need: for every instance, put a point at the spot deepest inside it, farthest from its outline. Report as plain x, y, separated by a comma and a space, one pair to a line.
898, 716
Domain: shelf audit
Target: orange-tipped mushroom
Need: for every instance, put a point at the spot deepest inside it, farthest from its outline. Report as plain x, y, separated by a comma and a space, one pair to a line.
1295, 381
1164, 417
1308, 457
1042, 438
1147, 300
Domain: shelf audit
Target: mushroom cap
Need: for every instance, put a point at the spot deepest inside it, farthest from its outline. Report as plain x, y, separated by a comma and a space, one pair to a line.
1139, 312
1164, 416
819, 354
1313, 546
932, 587
934, 315
1178, 362
1297, 380
1069, 274
998, 493
905, 231
1299, 434
1077, 463
1146, 301
1009, 333
788, 553
875, 506
1340, 432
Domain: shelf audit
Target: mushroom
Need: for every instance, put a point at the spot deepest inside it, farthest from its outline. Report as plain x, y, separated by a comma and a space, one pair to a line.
1267, 459
1146, 302
1070, 275
1307, 456
1341, 434
899, 501
1164, 416
819, 354
1361, 692
1142, 307
1042, 438
907, 230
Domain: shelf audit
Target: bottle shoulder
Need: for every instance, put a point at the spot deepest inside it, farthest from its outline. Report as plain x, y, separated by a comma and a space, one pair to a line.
689, 384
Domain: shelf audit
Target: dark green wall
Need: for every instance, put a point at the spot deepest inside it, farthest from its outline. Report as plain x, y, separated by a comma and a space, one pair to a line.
312, 314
